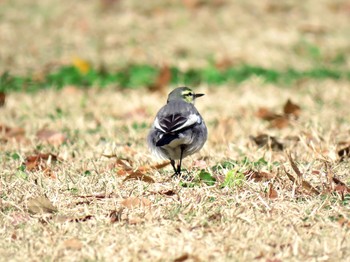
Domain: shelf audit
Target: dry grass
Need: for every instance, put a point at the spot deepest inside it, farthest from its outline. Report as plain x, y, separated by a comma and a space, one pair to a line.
203, 222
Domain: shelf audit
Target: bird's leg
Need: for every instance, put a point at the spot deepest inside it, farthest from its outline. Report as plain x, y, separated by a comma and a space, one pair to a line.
172, 162
179, 165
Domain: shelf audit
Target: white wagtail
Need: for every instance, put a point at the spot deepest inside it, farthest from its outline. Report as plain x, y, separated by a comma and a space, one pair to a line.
178, 129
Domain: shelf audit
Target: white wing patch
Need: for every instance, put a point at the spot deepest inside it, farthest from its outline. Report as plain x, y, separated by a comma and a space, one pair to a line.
192, 119
156, 125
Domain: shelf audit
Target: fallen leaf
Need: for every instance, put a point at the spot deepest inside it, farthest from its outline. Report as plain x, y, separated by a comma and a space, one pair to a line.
167, 192
272, 192
134, 202
154, 167
82, 65
116, 215
137, 175
306, 185
51, 137
40, 204
258, 176
291, 109
73, 243
224, 64
265, 114
182, 258
39, 161
280, 122
2, 99
162, 81
343, 222
340, 183
8, 133
269, 141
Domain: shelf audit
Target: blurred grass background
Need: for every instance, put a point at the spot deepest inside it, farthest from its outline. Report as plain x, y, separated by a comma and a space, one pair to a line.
200, 40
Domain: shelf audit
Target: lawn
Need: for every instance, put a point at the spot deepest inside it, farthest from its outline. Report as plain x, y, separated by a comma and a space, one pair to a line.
77, 180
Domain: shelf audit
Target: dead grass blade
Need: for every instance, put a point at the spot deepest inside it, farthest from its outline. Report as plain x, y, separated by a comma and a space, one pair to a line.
294, 166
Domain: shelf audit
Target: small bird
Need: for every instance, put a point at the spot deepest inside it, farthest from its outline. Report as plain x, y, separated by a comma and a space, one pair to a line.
178, 129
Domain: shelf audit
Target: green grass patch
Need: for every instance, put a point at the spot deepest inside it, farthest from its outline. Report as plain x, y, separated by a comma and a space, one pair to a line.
136, 76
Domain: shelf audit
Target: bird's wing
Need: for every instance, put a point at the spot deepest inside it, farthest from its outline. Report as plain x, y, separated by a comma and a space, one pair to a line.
176, 122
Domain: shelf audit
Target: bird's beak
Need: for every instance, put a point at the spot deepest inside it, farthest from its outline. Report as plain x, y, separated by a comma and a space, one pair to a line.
198, 95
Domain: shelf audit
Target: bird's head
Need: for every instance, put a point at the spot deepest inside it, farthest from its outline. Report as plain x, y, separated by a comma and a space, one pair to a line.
183, 93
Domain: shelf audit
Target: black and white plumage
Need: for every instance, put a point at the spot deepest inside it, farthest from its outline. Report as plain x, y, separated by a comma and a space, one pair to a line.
178, 129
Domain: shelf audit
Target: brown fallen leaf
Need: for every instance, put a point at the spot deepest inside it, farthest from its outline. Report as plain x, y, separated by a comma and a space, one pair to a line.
280, 122
306, 185
258, 176
189, 257
272, 192
265, 114
73, 243
156, 166
167, 192
40, 205
182, 258
51, 137
2, 99
162, 81
343, 222
124, 167
137, 175
291, 109
134, 202
39, 161
340, 183
224, 64
11, 133
269, 141
116, 215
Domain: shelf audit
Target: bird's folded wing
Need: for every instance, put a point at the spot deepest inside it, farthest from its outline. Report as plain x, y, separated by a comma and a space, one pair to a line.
176, 122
